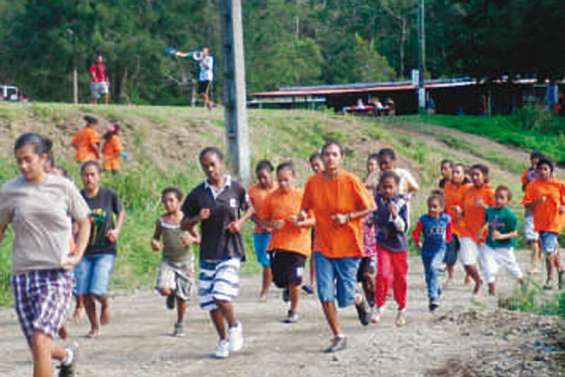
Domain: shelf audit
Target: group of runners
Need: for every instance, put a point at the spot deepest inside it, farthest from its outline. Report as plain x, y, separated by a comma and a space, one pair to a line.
355, 232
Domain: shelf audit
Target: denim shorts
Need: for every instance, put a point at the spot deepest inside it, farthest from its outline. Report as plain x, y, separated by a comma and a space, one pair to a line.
93, 274
261, 243
549, 242
336, 279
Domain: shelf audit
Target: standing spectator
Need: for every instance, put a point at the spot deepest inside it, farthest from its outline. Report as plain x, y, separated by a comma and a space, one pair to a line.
99, 82
93, 272
205, 77
87, 141
40, 206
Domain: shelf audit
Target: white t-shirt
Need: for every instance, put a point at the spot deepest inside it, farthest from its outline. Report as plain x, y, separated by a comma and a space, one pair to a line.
40, 215
206, 69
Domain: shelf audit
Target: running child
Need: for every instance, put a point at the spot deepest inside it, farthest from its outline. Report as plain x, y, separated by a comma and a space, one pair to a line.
42, 280
258, 194
221, 206
86, 141
435, 226
530, 234
339, 202
387, 162
316, 162
175, 278
446, 169
454, 193
291, 243
112, 149
545, 196
476, 199
498, 250
391, 223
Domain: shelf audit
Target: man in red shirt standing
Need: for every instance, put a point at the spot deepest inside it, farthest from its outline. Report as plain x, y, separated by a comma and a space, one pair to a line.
99, 82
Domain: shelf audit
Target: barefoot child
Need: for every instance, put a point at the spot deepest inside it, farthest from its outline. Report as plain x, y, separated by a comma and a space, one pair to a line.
498, 250
453, 192
476, 200
545, 196
392, 246
86, 141
436, 229
221, 206
258, 194
530, 234
176, 271
291, 243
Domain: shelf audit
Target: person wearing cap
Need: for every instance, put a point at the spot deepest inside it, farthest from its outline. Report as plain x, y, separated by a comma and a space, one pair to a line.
86, 141
112, 149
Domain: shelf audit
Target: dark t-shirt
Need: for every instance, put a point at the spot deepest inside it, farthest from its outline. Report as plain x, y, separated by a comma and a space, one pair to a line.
217, 242
103, 207
503, 220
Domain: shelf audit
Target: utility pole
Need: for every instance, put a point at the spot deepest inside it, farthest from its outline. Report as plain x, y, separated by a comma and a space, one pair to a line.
75, 73
421, 56
235, 97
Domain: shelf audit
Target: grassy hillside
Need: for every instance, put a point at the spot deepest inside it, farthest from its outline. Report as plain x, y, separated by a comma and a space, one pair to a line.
164, 142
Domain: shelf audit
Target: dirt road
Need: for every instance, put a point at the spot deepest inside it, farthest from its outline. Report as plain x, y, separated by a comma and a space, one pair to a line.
465, 338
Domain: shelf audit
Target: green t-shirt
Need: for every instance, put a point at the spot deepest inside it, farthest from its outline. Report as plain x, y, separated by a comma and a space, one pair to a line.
503, 220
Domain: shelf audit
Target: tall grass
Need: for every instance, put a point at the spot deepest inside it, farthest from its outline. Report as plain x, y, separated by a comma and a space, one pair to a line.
530, 298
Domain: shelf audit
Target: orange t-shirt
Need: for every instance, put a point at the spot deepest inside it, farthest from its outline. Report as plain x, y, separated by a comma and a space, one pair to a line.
85, 141
341, 195
546, 215
112, 149
474, 215
454, 195
258, 195
281, 205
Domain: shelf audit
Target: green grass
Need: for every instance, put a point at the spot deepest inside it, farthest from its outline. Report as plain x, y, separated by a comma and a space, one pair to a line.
546, 135
531, 299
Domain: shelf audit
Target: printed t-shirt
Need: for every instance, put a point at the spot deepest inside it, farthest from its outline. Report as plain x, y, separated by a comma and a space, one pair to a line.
103, 206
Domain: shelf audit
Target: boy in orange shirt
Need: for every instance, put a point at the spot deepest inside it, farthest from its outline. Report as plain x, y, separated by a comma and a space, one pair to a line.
112, 149
87, 141
290, 243
339, 202
530, 234
476, 200
258, 194
545, 196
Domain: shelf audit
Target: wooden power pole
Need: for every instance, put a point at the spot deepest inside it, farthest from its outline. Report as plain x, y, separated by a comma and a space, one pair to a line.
235, 97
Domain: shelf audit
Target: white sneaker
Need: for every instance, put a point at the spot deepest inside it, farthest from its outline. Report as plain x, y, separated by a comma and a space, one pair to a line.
236, 338
222, 351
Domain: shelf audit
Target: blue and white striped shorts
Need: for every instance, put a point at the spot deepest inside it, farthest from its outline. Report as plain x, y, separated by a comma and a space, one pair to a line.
42, 299
218, 281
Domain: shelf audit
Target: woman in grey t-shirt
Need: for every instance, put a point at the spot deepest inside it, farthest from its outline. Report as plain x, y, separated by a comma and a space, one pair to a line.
40, 206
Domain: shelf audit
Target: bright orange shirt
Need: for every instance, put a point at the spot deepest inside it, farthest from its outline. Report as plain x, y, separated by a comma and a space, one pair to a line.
86, 142
341, 195
281, 205
454, 195
546, 215
258, 195
112, 149
474, 215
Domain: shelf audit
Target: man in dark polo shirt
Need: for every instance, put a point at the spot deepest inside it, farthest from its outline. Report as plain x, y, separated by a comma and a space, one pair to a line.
221, 206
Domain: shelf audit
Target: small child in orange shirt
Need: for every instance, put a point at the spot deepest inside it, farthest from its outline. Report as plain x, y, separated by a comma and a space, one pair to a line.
112, 148
545, 196
290, 243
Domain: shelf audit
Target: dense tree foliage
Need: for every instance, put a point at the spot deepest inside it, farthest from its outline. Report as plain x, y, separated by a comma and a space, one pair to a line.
288, 42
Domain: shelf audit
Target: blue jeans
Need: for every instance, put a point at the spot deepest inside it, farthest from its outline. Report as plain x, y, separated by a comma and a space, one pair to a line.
93, 274
261, 243
336, 279
432, 264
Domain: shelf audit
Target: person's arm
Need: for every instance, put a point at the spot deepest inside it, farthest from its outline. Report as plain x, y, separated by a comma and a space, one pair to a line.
449, 232
417, 233
513, 233
118, 209
482, 232
92, 72
245, 204
397, 216
156, 240
83, 236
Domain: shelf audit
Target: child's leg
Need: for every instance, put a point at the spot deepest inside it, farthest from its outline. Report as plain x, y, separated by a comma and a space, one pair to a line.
369, 288
90, 307
165, 292
536, 256
384, 276
427, 262
78, 313
267, 281
549, 263
218, 320
507, 260
181, 309
44, 350
312, 271
489, 265
294, 290
468, 255
400, 284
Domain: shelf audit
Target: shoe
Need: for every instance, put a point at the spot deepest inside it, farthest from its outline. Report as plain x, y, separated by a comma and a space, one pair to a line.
68, 368
401, 318
308, 289
236, 338
377, 315
171, 299
548, 286
371, 302
286, 295
179, 330
292, 317
433, 306
222, 351
561, 279
363, 313
339, 343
